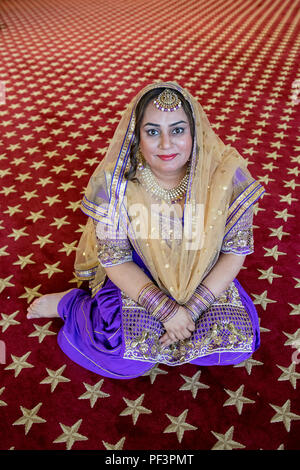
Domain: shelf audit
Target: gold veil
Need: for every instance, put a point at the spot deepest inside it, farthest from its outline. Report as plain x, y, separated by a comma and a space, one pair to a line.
177, 266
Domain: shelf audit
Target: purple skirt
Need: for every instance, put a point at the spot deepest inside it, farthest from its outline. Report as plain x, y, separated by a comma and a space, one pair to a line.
93, 337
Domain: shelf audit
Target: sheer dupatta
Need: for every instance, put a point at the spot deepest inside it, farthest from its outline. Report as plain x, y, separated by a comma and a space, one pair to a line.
214, 202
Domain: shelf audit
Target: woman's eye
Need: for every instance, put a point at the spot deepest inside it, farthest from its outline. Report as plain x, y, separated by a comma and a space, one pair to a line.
152, 131
178, 130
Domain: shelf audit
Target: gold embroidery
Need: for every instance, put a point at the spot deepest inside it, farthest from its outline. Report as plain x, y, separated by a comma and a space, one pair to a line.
224, 327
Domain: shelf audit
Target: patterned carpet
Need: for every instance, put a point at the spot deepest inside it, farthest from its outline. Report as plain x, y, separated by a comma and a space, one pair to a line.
68, 68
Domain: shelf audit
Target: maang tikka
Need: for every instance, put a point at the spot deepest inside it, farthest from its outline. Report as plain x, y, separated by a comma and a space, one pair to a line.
167, 101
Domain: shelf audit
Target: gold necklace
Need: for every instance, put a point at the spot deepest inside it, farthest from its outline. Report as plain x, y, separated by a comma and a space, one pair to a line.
168, 195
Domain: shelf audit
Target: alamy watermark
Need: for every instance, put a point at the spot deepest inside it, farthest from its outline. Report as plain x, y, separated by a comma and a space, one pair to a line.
2, 352
296, 91
296, 354
160, 221
2, 92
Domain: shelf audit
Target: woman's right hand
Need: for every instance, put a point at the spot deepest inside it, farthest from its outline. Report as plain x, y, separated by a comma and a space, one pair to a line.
179, 327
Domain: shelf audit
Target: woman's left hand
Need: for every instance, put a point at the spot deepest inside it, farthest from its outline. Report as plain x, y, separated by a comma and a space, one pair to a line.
178, 328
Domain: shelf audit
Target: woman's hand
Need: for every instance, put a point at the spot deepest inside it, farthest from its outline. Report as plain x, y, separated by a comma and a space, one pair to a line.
179, 327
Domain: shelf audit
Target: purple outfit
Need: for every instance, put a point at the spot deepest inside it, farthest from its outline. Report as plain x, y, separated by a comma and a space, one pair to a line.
113, 336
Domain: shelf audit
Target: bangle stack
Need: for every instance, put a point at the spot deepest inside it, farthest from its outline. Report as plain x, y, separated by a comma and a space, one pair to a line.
200, 301
158, 304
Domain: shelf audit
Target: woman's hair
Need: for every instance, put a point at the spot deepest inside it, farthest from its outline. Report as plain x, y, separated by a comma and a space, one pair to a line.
139, 114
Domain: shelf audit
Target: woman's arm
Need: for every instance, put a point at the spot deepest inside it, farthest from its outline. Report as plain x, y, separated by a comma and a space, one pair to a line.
223, 273
218, 280
129, 277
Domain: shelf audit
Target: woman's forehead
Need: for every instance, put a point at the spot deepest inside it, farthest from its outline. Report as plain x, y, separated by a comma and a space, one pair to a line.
156, 116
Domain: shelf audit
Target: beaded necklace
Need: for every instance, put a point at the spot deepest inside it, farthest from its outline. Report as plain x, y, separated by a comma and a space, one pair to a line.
169, 195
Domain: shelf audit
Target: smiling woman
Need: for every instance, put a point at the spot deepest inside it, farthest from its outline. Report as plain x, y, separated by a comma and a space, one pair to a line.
163, 296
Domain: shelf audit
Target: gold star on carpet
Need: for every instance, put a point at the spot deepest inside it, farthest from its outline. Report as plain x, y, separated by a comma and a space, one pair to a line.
59, 222
293, 339
42, 331
257, 209
269, 166
289, 373
135, 408
81, 228
24, 260
58, 168
225, 441
3, 251
93, 393
51, 154
70, 158
17, 233
273, 252
192, 384
154, 372
69, 247
92, 161
296, 286
179, 425
284, 415
42, 240
278, 232
6, 190
262, 299
287, 198
8, 320
79, 173
51, 269
249, 363
50, 200
74, 205
268, 274
19, 363
83, 147
2, 403
23, 177
117, 446
237, 399
37, 165
28, 195
12, 210
76, 281
265, 179
296, 309
31, 293
4, 282
283, 215
5, 172
293, 171
44, 181
70, 435
55, 377
291, 184
65, 186
29, 417
35, 216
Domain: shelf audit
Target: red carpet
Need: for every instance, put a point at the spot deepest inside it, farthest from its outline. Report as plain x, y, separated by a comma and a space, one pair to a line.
68, 68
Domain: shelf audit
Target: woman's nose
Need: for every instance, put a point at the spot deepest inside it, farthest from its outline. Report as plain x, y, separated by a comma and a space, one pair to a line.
165, 141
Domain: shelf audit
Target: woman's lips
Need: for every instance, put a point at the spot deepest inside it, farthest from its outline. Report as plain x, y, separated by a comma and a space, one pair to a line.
167, 157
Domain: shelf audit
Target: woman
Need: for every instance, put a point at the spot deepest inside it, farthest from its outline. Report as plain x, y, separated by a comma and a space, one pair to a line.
170, 224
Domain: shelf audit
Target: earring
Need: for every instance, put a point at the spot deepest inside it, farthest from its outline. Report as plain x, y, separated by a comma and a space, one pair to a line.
140, 160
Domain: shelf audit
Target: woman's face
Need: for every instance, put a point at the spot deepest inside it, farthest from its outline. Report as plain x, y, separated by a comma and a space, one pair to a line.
166, 142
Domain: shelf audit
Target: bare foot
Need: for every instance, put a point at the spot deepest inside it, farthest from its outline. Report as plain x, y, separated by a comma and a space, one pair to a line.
45, 306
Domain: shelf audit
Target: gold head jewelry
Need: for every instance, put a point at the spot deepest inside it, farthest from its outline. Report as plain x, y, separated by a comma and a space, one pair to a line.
167, 101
